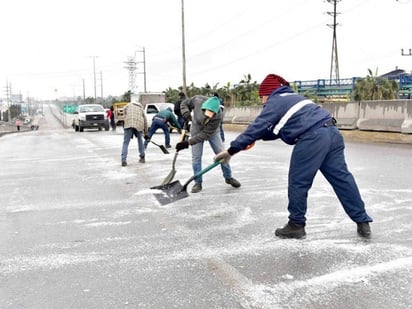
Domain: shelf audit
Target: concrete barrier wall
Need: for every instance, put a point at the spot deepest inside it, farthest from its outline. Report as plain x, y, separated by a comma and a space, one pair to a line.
407, 123
241, 115
385, 116
346, 114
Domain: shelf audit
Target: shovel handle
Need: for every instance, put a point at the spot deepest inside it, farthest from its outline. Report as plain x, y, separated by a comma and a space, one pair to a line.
203, 171
182, 135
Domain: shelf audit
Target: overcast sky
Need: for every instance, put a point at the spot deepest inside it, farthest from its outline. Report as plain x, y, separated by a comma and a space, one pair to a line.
47, 45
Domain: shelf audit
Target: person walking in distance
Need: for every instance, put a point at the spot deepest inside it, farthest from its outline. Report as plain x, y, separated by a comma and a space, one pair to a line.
18, 124
207, 117
111, 119
135, 124
318, 146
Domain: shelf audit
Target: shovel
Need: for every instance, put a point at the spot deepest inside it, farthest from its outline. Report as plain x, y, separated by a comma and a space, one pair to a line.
162, 148
172, 173
174, 191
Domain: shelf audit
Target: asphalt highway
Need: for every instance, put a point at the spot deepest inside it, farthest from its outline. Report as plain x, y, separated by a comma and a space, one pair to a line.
78, 230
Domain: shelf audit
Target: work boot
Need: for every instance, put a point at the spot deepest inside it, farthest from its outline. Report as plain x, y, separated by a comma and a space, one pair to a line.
197, 188
142, 160
364, 229
233, 182
124, 163
291, 230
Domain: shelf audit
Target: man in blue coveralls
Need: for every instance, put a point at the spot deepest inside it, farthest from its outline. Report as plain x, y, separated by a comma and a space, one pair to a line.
318, 145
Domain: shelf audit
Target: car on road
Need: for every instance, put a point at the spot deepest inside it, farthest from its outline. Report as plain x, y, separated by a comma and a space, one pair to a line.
90, 116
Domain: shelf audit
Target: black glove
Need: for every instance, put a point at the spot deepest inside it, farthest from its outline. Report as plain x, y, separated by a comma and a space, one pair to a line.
187, 117
146, 137
182, 145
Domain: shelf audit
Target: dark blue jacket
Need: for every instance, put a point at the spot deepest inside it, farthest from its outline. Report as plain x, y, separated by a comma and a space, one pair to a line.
306, 118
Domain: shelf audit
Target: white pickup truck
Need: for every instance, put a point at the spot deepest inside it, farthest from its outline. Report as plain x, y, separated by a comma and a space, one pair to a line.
90, 116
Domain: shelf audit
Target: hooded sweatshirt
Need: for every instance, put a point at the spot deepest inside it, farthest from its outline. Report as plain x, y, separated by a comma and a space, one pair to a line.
202, 127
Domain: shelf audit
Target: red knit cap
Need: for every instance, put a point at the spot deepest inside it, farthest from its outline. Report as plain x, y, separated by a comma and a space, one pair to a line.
270, 83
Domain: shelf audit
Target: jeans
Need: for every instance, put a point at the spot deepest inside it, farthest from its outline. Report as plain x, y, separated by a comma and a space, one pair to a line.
158, 124
127, 135
181, 121
322, 149
222, 132
197, 151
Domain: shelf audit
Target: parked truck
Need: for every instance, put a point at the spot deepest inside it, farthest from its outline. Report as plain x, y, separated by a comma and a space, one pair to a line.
118, 109
148, 97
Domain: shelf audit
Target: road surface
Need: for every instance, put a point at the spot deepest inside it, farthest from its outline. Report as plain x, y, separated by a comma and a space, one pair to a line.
77, 230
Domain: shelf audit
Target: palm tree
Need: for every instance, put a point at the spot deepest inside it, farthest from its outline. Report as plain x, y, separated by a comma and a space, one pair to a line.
373, 87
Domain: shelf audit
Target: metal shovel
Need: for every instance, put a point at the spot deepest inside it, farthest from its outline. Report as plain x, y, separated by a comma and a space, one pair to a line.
172, 173
163, 148
174, 191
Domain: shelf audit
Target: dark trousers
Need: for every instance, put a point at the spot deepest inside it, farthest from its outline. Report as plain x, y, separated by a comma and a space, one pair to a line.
322, 149
158, 124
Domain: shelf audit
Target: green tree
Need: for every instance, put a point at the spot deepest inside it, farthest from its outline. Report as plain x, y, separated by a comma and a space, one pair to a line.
89, 100
246, 92
126, 96
373, 87
241, 94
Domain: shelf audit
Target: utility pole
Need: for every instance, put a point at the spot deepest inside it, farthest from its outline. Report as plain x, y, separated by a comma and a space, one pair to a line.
183, 50
84, 92
334, 63
144, 67
94, 77
101, 85
8, 97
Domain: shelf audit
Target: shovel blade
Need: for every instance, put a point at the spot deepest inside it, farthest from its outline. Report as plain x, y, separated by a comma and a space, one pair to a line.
163, 148
169, 177
172, 173
170, 192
